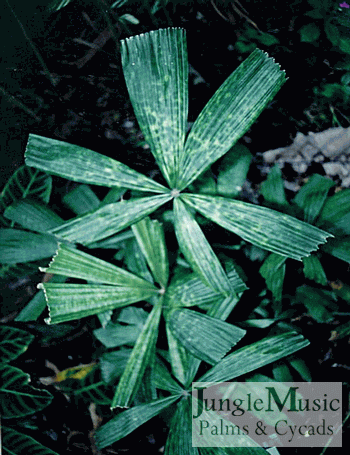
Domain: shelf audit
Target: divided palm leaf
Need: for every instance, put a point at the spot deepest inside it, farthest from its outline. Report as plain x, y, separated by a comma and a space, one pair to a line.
156, 70
111, 287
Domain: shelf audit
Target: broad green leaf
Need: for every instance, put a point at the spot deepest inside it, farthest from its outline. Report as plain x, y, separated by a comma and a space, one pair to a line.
266, 228
19, 246
339, 248
233, 171
25, 182
82, 199
229, 114
83, 165
33, 216
33, 309
74, 301
204, 184
150, 237
17, 398
319, 303
117, 334
126, 422
311, 197
17, 443
133, 315
254, 356
73, 263
197, 250
113, 364
335, 214
142, 356
273, 189
109, 219
309, 33
313, 270
273, 271
205, 337
156, 73
179, 441
301, 367
13, 342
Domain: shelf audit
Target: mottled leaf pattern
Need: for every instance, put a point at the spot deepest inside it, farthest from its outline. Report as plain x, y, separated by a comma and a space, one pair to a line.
108, 220
205, 337
150, 237
73, 263
229, 114
190, 290
266, 228
83, 165
233, 171
126, 422
179, 357
197, 250
74, 301
142, 356
156, 73
254, 356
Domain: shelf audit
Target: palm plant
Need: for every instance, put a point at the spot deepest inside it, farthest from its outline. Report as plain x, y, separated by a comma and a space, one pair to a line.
156, 71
